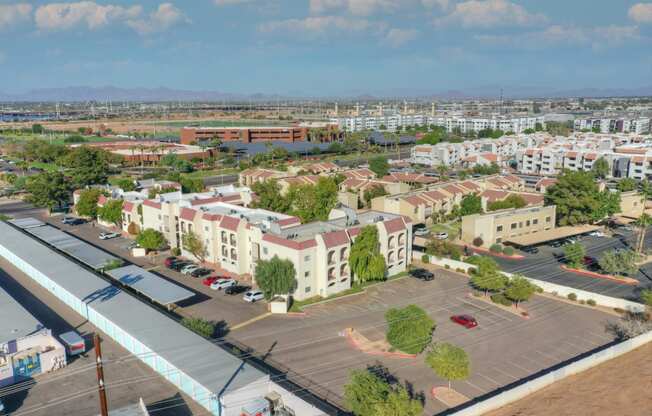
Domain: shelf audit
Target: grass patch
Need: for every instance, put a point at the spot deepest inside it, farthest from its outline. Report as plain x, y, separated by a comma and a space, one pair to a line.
200, 174
298, 305
452, 228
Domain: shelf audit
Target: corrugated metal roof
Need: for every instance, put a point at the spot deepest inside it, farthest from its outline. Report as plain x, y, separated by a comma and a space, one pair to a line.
26, 223
150, 285
74, 247
198, 358
16, 322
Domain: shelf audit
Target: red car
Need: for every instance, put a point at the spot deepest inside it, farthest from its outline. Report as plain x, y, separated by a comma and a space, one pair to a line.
168, 261
466, 321
588, 260
210, 280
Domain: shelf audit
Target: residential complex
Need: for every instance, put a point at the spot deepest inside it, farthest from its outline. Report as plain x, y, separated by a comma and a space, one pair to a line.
627, 155
636, 125
451, 123
472, 152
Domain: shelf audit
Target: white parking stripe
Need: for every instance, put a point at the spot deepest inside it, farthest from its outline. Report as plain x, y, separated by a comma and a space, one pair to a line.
476, 387
490, 379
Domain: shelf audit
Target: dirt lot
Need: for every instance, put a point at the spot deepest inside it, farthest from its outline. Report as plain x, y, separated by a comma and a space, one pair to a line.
621, 387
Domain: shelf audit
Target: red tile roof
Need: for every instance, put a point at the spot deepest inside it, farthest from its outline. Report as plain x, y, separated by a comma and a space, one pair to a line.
415, 201
230, 223
102, 200
546, 182
187, 214
211, 217
127, 206
493, 195
590, 156
152, 204
289, 221
335, 238
296, 245
394, 225
471, 186
435, 195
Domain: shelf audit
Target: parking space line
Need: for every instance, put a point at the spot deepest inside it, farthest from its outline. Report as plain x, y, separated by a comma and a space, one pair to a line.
547, 355
485, 309
490, 379
507, 374
480, 389
520, 367
251, 321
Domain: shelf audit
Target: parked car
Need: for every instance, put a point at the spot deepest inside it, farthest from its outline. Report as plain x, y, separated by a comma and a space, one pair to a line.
421, 232
556, 244
530, 250
179, 265
209, 280
441, 235
588, 260
597, 234
108, 236
201, 272
253, 296
422, 274
466, 321
2, 408
72, 221
189, 268
170, 260
235, 289
223, 283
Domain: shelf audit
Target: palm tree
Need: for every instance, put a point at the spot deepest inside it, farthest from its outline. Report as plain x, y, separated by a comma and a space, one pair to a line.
642, 223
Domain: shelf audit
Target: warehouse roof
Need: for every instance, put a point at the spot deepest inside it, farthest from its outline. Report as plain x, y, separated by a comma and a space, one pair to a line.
16, 322
26, 223
154, 287
206, 363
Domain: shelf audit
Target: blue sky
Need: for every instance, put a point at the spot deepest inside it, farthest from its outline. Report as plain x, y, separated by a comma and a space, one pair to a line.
326, 47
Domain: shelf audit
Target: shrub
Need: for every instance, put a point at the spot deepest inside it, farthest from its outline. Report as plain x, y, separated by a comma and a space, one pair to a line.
590, 302
460, 270
425, 258
582, 301
508, 251
446, 266
176, 251
133, 228
572, 296
496, 248
478, 241
200, 326
409, 329
619, 310
501, 299
539, 289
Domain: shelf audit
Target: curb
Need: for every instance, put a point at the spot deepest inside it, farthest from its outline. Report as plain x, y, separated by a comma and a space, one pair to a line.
625, 281
379, 353
504, 308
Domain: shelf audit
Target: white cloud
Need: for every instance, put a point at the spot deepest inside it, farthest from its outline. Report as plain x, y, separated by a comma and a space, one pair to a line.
442, 4
62, 16
164, 17
358, 7
600, 37
318, 25
11, 14
397, 37
490, 13
641, 13
231, 2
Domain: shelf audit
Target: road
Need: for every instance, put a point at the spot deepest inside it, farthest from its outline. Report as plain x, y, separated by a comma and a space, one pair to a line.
546, 266
220, 180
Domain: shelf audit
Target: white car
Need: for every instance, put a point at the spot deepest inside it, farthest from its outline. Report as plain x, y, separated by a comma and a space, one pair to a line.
108, 236
189, 269
253, 296
223, 284
421, 232
597, 234
441, 236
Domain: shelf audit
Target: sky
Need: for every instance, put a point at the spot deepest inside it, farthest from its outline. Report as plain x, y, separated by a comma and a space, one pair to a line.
326, 47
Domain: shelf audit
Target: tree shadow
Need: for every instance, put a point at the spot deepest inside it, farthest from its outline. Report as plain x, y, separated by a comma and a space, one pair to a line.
221, 329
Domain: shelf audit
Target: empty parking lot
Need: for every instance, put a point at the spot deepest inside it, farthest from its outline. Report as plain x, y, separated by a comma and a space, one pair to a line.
503, 349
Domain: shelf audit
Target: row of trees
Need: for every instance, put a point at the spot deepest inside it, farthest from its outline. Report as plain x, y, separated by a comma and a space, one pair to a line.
611, 261
488, 277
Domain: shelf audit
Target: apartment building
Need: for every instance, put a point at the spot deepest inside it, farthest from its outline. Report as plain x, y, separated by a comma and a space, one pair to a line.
421, 204
451, 123
500, 226
636, 125
236, 237
352, 190
248, 177
454, 154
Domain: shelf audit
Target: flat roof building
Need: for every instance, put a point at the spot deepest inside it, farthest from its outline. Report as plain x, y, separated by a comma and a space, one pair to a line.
289, 134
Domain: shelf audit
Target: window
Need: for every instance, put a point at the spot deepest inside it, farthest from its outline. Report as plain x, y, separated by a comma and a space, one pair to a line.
499, 228
206, 228
306, 275
264, 250
520, 224
527, 223
513, 226
548, 219
306, 258
308, 289
535, 221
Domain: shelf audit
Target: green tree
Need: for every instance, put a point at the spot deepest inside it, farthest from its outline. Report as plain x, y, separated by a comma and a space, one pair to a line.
275, 277
48, 189
579, 200
487, 275
151, 239
111, 212
643, 222
618, 262
449, 362
646, 297
379, 166
313, 202
601, 168
519, 289
190, 185
87, 204
365, 259
194, 245
152, 192
37, 129
409, 329
471, 204
126, 184
627, 184
268, 196
512, 201
574, 254
87, 166
398, 403
364, 391
200, 326
373, 192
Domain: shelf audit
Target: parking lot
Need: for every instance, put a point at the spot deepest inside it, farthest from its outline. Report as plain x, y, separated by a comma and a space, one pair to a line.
227, 310
504, 347
545, 265
73, 389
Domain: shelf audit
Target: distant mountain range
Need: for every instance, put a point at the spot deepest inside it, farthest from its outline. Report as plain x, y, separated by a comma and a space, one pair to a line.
83, 93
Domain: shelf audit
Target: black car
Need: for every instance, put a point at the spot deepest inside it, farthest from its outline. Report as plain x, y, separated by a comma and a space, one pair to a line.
201, 272
422, 274
556, 244
178, 265
77, 221
235, 289
530, 250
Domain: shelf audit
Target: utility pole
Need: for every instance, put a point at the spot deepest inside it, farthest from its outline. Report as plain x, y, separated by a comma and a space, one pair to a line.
100, 376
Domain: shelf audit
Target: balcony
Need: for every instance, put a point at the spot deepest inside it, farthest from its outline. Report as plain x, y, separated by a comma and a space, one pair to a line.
331, 257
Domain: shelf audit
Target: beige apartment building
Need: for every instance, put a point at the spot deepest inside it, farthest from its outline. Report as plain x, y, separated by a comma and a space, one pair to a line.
236, 237
500, 226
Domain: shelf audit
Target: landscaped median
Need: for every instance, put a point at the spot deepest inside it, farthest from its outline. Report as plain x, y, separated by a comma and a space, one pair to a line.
503, 253
617, 279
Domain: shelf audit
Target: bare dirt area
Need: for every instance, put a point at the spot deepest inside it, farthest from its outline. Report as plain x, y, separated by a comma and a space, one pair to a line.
618, 387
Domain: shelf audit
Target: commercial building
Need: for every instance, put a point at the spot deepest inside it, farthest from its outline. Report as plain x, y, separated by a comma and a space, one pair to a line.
150, 152
26, 347
324, 132
235, 238
220, 382
501, 226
